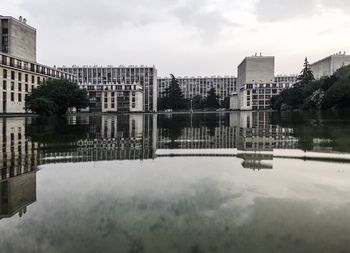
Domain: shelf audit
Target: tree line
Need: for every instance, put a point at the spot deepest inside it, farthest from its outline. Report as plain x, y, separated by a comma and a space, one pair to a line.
174, 99
331, 92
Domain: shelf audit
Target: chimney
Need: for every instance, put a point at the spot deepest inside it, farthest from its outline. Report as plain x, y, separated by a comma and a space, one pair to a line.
20, 18
25, 20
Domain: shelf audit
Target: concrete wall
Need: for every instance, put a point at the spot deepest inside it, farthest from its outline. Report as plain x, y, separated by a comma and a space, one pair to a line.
234, 102
138, 102
257, 69
329, 65
22, 40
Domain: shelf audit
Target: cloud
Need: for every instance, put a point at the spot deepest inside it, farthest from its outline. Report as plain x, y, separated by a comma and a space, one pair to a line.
282, 10
98, 15
279, 10
209, 21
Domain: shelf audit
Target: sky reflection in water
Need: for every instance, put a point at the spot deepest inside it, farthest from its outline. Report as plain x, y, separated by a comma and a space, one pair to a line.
168, 204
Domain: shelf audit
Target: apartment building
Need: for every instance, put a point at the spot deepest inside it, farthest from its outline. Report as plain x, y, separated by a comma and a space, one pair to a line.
290, 80
327, 66
257, 83
118, 89
19, 71
199, 86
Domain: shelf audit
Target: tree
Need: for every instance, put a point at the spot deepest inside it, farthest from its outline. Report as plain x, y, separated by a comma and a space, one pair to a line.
173, 97
56, 96
198, 102
306, 75
338, 95
212, 100
226, 103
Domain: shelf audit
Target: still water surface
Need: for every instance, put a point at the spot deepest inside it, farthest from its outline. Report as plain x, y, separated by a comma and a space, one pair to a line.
231, 182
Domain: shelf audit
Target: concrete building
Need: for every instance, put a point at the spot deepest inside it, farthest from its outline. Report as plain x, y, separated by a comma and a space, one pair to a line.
19, 71
17, 79
122, 89
257, 83
327, 66
17, 38
289, 80
199, 86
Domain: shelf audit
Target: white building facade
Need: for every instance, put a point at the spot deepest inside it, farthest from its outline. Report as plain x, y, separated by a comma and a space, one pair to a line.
257, 83
19, 71
118, 89
327, 66
199, 86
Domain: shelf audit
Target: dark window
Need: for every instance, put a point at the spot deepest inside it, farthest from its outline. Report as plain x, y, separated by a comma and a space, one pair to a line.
19, 76
19, 97
12, 96
26, 87
12, 85
13, 75
4, 85
5, 73
19, 87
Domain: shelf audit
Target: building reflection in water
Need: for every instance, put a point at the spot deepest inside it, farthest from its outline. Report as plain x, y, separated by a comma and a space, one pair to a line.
19, 160
29, 142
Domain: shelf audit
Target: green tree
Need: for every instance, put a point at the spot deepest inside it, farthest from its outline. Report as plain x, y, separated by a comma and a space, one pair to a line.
212, 100
338, 95
198, 102
226, 103
173, 98
306, 75
56, 96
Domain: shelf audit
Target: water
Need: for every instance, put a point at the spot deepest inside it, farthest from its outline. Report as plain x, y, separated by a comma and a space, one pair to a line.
229, 182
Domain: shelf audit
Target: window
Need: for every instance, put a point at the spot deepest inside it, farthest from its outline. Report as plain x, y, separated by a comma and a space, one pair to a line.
26, 87
106, 105
12, 96
19, 97
13, 75
26, 78
12, 85
4, 85
32, 79
5, 73
19, 87
19, 76
38, 80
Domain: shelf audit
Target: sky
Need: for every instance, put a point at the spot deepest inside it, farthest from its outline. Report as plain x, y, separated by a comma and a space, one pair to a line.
185, 37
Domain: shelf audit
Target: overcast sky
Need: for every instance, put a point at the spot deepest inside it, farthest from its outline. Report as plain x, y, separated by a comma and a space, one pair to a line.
185, 37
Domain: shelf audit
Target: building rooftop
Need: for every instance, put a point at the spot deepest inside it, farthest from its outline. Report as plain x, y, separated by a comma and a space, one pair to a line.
340, 54
21, 20
198, 77
108, 66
